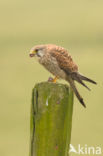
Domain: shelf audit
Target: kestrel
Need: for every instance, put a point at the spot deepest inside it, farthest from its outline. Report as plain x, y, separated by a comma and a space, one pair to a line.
59, 62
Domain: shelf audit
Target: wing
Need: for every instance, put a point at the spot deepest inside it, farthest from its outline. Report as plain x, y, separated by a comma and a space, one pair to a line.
64, 60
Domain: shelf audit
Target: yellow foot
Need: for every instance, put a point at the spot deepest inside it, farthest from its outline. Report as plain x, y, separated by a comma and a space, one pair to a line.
55, 79
52, 80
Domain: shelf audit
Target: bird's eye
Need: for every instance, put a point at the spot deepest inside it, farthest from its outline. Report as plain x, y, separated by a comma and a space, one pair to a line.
36, 50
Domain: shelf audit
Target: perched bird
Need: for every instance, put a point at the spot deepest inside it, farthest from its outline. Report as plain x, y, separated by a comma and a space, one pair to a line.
59, 62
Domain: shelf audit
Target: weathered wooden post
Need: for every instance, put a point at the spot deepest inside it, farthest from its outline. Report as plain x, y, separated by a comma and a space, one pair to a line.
51, 119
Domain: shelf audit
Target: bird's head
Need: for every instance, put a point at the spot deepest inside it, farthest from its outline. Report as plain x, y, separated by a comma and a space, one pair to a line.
38, 51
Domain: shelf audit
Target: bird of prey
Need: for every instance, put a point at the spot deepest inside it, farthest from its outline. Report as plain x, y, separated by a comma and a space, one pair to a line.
59, 62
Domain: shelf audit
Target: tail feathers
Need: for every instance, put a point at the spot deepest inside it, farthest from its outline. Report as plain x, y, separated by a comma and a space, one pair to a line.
72, 84
85, 78
78, 77
81, 82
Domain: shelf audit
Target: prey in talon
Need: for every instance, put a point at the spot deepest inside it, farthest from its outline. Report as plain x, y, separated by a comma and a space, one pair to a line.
59, 62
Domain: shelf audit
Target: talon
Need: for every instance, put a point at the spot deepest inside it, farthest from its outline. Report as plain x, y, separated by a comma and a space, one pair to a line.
50, 79
55, 79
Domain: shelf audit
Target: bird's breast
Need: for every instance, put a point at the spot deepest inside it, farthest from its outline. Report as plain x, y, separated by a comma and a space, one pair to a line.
51, 64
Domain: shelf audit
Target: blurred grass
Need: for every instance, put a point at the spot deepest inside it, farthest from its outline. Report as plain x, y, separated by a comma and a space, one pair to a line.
76, 25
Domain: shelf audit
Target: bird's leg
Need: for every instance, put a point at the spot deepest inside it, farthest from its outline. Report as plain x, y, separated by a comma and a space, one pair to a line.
52, 80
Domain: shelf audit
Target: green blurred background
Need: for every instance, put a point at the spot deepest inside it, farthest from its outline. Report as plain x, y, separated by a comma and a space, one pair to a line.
74, 24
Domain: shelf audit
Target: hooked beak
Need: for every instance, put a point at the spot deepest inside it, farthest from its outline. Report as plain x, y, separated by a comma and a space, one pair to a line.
32, 53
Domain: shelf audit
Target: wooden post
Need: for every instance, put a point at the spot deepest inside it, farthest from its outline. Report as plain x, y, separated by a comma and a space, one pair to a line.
51, 119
